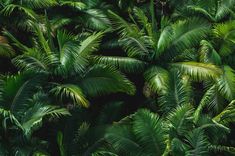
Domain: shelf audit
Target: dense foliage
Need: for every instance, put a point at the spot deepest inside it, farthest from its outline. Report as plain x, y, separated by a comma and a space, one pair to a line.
117, 78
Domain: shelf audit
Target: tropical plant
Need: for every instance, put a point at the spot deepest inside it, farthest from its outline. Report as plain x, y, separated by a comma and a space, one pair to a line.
23, 108
67, 68
145, 133
166, 58
117, 78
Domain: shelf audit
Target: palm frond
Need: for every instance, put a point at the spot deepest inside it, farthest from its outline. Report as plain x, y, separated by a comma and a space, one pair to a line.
222, 149
226, 82
224, 32
143, 20
227, 115
5, 49
16, 42
164, 40
104, 153
125, 64
36, 61
158, 79
70, 57
210, 99
208, 54
72, 92
179, 120
37, 4
124, 28
6, 114
200, 11
32, 118
90, 44
148, 129
224, 8
178, 92
198, 71
100, 80
198, 143
17, 90
96, 19
187, 34
41, 38
8, 10
73, 4
134, 42
122, 140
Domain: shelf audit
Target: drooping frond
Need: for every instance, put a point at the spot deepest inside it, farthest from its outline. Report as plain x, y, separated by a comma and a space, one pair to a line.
199, 10
227, 115
158, 79
226, 82
100, 80
36, 61
96, 19
223, 9
210, 99
90, 44
122, 140
6, 114
134, 41
37, 4
5, 49
143, 20
125, 64
224, 33
198, 71
186, 34
17, 90
137, 46
8, 10
73, 4
104, 153
124, 28
33, 117
72, 92
222, 149
208, 54
16, 42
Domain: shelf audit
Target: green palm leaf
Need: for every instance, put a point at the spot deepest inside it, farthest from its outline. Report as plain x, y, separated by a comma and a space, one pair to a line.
129, 65
122, 140
226, 82
186, 34
178, 92
148, 129
71, 91
227, 115
198, 143
225, 34
90, 44
37, 4
8, 10
16, 91
158, 79
33, 117
5, 49
100, 80
199, 71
